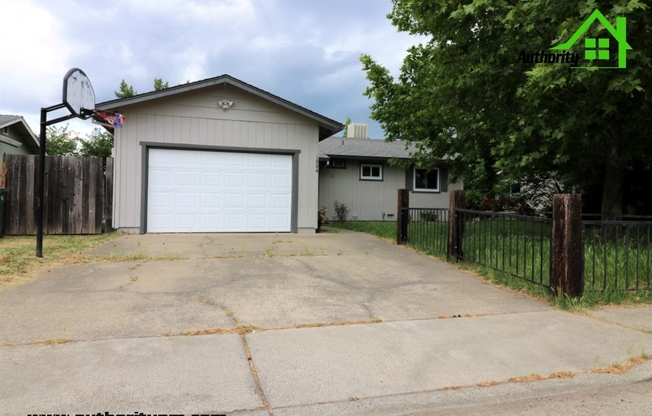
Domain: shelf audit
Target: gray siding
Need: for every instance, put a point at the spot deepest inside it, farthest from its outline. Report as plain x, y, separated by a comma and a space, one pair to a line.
195, 118
25, 149
369, 199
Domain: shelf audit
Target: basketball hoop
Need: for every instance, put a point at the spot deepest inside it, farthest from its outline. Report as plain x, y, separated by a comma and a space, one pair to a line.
110, 120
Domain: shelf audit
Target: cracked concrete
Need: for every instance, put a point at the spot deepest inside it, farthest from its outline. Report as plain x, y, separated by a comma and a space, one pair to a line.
314, 286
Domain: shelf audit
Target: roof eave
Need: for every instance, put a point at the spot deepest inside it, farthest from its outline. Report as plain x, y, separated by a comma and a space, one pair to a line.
327, 126
21, 119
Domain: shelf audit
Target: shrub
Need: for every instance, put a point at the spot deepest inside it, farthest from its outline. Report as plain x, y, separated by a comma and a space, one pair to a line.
341, 211
430, 216
322, 217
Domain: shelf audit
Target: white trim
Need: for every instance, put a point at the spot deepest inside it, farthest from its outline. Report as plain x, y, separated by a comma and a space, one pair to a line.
414, 181
371, 178
10, 142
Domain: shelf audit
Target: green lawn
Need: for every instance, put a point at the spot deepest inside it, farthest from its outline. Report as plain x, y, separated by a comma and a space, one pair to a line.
384, 229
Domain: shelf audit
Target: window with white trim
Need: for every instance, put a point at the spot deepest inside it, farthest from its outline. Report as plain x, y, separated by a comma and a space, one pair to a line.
425, 180
369, 172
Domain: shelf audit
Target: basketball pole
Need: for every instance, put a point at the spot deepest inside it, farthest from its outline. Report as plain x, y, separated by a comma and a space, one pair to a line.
41, 174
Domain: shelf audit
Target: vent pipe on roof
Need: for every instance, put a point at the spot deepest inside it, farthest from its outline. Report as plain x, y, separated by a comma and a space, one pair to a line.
357, 131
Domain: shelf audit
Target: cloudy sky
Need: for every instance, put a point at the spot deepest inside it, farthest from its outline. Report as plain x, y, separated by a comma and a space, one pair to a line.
306, 51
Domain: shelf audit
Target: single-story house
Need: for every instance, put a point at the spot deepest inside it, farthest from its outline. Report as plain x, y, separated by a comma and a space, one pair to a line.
217, 155
355, 171
16, 137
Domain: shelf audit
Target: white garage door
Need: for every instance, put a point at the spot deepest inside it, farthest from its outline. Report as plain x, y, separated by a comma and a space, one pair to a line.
202, 191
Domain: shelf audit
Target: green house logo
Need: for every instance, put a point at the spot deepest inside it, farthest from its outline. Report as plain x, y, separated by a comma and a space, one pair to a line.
598, 49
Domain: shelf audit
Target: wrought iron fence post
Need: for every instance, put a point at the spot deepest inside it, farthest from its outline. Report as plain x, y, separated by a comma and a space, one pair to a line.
401, 228
457, 199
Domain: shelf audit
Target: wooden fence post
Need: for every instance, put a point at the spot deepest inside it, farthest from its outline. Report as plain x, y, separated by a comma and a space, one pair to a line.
403, 202
567, 252
457, 200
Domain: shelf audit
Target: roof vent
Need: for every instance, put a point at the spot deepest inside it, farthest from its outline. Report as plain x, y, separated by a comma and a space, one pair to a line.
357, 131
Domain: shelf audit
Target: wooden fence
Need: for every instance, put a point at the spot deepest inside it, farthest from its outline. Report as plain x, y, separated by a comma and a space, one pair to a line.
78, 194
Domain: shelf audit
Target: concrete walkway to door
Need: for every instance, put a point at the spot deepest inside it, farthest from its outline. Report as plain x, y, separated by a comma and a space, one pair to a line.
287, 324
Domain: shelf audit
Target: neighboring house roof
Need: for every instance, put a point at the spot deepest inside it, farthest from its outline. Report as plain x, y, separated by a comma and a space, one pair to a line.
327, 126
26, 133
363, 148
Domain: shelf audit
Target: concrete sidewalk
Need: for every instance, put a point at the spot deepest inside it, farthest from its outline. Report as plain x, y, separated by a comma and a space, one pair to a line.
323, 324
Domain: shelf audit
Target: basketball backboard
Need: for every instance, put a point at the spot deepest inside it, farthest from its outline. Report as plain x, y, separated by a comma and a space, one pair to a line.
78, 93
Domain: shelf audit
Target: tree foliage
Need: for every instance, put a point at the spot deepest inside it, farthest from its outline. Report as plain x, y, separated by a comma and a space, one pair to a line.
60, 141
99, 143
125, 90
159, 85
464, 93
345, 133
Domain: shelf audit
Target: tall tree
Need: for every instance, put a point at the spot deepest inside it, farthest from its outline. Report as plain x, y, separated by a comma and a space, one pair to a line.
465, 92
125, 90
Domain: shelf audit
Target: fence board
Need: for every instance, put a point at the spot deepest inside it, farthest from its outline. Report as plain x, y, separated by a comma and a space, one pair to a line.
86, 182
75, 194
77, 217
108, 195
30, 194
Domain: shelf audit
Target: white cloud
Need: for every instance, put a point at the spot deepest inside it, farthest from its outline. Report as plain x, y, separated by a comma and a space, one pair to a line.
34, 54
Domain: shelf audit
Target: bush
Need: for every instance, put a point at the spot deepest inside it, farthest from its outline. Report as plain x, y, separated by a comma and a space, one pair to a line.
322, 217
341, 211
430, 216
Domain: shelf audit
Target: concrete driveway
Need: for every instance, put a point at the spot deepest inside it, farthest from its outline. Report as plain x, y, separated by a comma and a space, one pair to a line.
285, 324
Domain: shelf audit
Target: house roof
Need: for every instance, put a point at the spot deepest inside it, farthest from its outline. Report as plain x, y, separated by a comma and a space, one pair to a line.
26, 132
327, 126
364, 148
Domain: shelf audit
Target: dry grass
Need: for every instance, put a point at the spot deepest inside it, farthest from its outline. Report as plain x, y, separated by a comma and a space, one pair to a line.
618, 368
19, 264
241, 329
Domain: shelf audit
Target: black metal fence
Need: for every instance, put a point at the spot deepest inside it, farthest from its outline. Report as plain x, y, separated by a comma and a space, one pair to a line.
426, 229
518, 245
617, 255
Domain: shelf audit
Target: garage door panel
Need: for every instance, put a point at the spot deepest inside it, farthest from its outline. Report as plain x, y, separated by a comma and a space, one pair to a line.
187, 178
204, 191
189, 159
186, 222
210, 179
234, 222
234, 180
280, 181
258, 201
211, 200
237, 160
210, 222
280, 221
258, 162
234, 201
162, 222
158, 159
258, 180
161, 200
257, 222
280, 201
212, 159
161, 177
